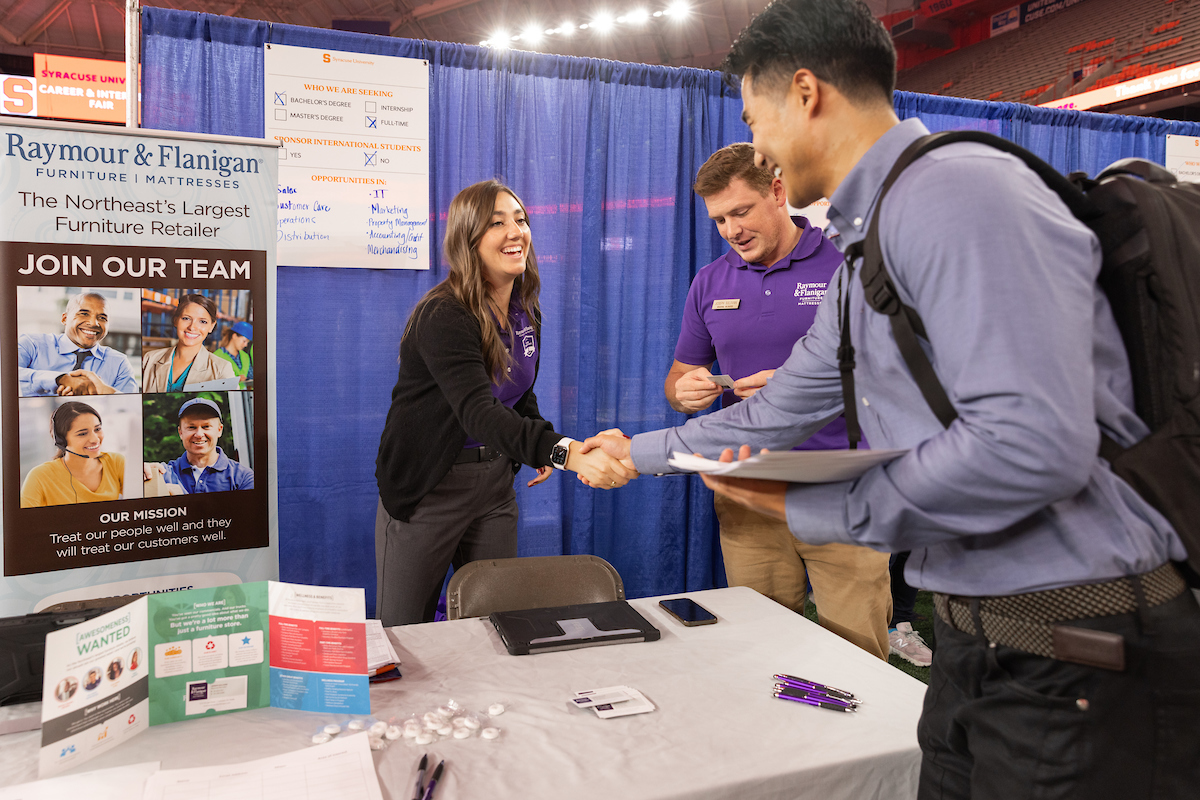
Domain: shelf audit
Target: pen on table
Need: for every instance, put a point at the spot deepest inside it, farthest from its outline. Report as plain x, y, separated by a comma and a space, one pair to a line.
803, 683
420, 788
811, 702
794, 692
437, 775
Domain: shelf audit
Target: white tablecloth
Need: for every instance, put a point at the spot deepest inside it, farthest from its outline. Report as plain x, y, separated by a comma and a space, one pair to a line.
716, 733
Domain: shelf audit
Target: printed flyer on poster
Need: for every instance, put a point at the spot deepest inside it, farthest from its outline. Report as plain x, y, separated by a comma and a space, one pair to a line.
177, 656
354, 161
137, 281
1183, 157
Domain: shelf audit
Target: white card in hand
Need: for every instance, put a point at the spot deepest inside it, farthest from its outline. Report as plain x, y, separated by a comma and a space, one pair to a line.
722, 380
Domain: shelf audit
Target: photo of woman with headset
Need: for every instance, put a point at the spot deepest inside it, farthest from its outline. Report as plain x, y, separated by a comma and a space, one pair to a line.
464, 415
80, 471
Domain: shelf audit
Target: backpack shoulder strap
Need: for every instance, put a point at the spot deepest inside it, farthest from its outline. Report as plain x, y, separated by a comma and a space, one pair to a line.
879, 290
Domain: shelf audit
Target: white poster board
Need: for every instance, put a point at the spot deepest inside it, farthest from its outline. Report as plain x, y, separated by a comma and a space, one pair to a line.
354, 167
1183, 157
104, 233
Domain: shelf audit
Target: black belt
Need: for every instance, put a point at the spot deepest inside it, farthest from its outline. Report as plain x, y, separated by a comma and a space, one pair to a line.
1030, 622
472, 455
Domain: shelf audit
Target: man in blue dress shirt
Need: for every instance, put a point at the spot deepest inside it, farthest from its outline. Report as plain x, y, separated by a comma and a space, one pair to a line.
1067, 644
74, 362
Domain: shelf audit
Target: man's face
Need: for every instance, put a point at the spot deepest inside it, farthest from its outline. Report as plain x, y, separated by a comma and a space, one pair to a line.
86, 324
199, 435
785, 140
754, 225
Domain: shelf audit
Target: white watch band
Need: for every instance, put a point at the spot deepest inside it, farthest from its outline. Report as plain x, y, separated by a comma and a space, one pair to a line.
563, 442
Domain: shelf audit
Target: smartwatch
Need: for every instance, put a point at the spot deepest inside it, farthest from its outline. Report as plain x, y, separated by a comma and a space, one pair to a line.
558, 455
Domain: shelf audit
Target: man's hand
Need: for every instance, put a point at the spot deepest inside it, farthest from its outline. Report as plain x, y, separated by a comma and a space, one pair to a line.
98, 386
747, 386
694, 391
599, 469
611, 441
74, 384
542, 474
766, 497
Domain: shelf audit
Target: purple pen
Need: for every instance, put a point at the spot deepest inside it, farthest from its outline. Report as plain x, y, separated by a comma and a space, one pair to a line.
809, 701
433, 780
807, 684
794, 692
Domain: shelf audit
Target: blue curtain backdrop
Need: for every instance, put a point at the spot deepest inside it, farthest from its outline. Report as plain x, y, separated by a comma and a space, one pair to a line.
603, 154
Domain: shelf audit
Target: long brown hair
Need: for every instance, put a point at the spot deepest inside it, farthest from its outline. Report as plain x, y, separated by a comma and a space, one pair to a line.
468, 219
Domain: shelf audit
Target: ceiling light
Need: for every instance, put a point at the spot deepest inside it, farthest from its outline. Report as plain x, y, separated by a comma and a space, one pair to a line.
638, 16
499, 41
658, 13
602, 23
678, 9
567, 28
484, 43
584, 27
621, 18
532, 35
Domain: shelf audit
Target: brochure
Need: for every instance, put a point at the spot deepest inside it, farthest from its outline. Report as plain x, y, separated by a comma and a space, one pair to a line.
180, 655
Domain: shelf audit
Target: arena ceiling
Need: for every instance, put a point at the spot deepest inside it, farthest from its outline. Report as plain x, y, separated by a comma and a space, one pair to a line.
693, 33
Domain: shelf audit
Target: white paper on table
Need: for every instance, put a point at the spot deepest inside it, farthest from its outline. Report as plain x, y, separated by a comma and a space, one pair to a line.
380, 652
342, 768
118, 783
794, 466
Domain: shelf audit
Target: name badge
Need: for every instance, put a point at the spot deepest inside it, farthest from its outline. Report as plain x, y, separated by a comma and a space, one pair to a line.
722, 305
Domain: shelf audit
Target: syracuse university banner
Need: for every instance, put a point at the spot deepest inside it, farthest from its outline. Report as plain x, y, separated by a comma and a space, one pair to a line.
137, 277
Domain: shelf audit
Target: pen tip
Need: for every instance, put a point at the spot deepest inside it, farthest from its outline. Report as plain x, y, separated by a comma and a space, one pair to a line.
424, 761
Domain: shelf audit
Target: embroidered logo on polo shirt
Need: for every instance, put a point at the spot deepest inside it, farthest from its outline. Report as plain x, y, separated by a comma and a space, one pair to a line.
723, 305
810, 294
527, 340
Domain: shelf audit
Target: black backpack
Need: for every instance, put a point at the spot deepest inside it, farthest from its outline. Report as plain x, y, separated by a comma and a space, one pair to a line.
1149, 229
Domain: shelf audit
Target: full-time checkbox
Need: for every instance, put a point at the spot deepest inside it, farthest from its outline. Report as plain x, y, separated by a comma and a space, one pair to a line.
281, 114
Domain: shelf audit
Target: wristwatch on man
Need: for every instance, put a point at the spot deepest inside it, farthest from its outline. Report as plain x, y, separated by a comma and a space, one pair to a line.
558, 456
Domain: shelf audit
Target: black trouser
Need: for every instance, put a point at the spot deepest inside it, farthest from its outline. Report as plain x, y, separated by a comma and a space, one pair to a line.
904, 597
469, 516
1002, 724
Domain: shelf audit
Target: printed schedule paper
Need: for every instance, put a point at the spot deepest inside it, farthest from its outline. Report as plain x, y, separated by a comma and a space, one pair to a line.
794, 466
342, 768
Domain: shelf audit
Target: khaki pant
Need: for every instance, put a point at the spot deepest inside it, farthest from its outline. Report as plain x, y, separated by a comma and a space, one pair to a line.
851, 586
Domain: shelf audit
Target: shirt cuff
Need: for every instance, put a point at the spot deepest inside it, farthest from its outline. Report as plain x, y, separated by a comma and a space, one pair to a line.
649, 452
45, 381
816, 512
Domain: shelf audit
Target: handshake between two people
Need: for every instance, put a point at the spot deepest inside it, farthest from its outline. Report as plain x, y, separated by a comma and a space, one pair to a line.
596, 466
765, 497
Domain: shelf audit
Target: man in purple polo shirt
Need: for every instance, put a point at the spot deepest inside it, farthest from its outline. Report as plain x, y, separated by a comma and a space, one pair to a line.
746, 310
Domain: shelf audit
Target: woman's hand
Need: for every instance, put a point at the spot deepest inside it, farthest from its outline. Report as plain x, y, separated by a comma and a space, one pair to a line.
542, 474
598, 469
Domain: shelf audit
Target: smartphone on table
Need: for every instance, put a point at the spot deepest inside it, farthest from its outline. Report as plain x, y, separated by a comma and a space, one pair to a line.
688, 611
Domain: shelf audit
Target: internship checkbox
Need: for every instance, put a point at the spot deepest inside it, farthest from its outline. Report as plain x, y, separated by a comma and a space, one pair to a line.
371, 106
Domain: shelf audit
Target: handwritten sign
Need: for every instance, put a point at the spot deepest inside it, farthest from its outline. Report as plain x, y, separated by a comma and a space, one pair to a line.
354, 157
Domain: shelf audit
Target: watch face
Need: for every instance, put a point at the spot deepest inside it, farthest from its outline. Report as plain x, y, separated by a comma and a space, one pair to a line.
559, 455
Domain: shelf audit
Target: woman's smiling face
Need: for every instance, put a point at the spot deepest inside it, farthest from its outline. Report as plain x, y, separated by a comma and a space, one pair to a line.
504, 247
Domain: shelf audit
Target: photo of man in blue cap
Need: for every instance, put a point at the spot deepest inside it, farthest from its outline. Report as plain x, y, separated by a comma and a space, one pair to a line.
203, 467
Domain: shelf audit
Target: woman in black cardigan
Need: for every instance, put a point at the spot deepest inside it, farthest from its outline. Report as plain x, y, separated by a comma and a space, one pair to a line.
463, 415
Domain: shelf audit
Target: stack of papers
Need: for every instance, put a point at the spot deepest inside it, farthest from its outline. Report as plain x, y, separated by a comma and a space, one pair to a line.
793, 466
382, 660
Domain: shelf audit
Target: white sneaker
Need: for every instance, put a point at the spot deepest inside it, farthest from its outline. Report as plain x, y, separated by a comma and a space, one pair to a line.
908, 644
